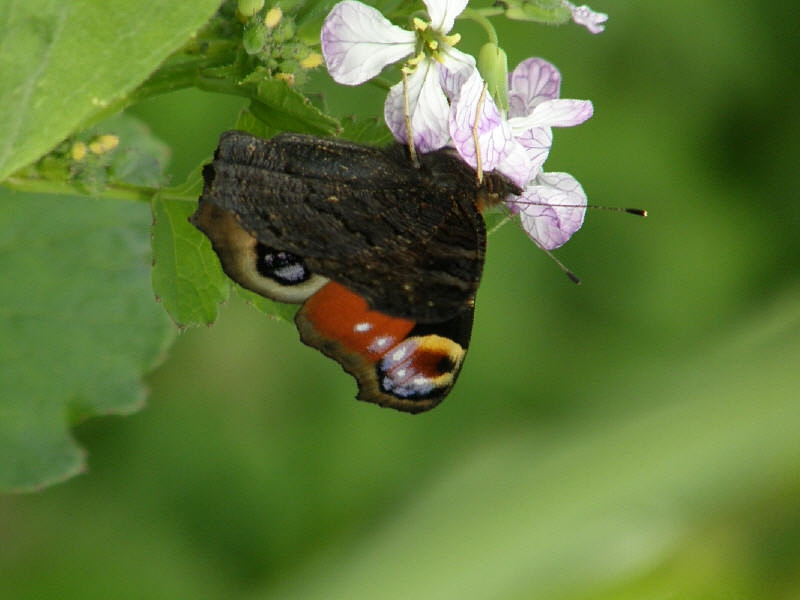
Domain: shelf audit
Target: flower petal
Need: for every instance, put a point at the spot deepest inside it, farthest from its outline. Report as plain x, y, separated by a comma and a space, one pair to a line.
428, 109
533, 81
536, 142
443, 13
458, 68
583, 15
555, 113
515, 164
552, 209
493, 131
358, 42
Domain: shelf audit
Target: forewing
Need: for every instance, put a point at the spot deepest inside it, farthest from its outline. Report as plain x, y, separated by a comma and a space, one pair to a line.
409, 240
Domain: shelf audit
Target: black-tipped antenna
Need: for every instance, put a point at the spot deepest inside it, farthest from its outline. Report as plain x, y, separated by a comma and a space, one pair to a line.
574, 278
639, 212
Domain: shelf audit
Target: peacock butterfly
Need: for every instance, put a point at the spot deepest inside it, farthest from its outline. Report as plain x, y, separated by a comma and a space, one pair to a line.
384, 255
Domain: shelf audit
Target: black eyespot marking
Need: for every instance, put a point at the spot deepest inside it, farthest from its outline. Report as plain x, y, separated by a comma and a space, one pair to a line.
445, 365
282, 267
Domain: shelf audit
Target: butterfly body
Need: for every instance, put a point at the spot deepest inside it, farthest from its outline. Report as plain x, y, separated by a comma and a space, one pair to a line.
385, 256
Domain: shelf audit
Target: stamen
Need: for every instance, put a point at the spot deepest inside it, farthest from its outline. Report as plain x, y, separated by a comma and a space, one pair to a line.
419, 24
451, 40
415, 60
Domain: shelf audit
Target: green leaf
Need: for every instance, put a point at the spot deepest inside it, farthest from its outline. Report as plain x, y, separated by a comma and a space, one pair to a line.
277, 310
187, 276
141, 158
63, 61
79, 327
285, 109
366, 131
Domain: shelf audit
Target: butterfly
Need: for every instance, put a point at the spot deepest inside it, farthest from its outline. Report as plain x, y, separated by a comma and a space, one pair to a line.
384, 255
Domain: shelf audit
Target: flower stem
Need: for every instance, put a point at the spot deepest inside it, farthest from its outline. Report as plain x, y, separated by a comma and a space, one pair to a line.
480, 17
114, 191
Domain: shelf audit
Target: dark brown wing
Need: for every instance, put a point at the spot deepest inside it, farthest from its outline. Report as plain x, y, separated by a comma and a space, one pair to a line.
409, 240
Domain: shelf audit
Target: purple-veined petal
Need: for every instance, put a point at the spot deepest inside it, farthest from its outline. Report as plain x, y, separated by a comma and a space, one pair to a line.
583, 15
493, 131
536, 142
533, 81
552, 209
458, 67
443, 13
555, 113
515, 164
452, 81
427, 106
358, 42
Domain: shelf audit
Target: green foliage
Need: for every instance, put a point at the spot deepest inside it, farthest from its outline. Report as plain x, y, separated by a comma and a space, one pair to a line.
66, 61
282, 108
187, 277
62, 70
79, 327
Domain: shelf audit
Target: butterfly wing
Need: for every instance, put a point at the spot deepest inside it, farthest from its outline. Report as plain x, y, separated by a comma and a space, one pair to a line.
397, 363
385, 257
410, 241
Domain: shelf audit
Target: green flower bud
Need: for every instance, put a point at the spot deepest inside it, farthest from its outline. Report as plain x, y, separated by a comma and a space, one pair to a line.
493, 67
273, 17
254, 37
284, 31
247, 8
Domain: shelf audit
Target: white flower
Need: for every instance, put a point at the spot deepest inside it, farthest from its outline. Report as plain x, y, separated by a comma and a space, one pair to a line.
583, 15
551, 209
534, 108
552, 205
495, 137
358, 42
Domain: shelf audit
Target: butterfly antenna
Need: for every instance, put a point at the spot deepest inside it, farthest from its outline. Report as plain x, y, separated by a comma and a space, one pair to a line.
574, 278
412, 152
476, 141
499, 224
639, 212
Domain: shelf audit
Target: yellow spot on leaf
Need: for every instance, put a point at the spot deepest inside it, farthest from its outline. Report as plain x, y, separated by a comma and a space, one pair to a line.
103, 143
78, 151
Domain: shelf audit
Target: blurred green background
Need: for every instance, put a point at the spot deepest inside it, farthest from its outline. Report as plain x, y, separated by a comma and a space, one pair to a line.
632, 437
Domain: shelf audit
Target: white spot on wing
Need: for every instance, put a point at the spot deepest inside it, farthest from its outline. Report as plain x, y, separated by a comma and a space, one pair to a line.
381, 343
293, 272
399, 354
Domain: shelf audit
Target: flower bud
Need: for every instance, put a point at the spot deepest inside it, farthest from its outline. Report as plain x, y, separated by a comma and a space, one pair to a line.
273, 17
493, 67
254, 37
247, 8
